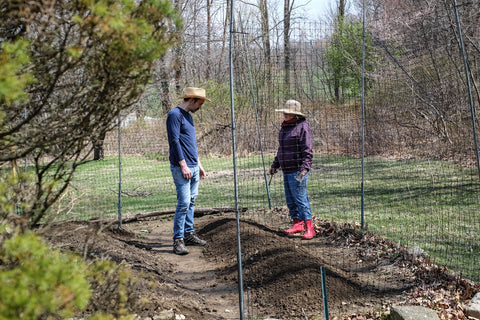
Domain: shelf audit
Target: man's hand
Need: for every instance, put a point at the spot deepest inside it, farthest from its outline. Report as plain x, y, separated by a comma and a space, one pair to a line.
202, 171
186, 172
273, 170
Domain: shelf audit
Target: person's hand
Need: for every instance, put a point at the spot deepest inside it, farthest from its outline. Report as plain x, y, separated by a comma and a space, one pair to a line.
186, 172
303, 173
273, 170
202, 172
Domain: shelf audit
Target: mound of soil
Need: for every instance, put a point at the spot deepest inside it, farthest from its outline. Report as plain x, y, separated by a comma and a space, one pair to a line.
365, 274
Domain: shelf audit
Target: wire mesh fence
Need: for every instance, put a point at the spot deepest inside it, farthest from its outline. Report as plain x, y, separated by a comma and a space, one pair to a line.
419, 175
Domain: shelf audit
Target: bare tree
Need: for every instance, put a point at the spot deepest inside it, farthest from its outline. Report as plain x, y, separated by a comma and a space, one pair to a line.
162, 81
340, 22
287, 13
265, 27
419, 40
179, 62
209, 38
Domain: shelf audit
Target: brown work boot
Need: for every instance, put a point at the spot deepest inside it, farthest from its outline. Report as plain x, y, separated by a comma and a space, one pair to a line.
179, 247
191, 239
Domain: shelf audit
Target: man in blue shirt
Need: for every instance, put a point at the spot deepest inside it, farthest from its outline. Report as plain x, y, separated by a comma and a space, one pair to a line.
185, 166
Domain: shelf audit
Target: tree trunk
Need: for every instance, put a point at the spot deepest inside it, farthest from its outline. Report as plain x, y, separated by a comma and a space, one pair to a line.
224, 36
266, 48
98, 150
163, 84
209, 39
286, 44
178, 59
341, 16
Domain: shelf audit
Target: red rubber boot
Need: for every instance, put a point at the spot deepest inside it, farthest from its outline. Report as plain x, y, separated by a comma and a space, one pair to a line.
310, 233
296, 228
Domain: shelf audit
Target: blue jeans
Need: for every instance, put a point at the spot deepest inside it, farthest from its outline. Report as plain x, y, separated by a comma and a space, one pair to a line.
296, 196
187, 190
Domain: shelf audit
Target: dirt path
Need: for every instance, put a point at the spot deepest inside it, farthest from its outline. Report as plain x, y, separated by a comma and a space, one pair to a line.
193, 271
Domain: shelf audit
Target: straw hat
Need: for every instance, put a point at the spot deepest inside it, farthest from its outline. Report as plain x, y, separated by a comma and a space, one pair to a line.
191, 92
292, 107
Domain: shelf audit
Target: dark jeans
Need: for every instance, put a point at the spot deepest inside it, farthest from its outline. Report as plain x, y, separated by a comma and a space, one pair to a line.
296, 196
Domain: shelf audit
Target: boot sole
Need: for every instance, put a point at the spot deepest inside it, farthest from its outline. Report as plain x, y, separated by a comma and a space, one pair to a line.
308, 238
195, 244
292, 233
181, 253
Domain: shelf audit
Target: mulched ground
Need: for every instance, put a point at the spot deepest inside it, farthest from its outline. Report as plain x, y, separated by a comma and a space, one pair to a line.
365, 274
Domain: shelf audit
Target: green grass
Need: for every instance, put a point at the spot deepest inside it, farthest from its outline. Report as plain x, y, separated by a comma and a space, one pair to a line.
433, 205
430, 204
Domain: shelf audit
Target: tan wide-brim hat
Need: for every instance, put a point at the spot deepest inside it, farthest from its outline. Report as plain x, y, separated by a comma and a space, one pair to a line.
292, 107
191, 92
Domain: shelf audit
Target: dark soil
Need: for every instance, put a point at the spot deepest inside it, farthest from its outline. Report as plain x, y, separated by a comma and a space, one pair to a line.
365, 275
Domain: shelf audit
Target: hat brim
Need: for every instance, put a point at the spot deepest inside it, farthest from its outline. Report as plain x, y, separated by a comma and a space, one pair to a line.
290, 112
198, 97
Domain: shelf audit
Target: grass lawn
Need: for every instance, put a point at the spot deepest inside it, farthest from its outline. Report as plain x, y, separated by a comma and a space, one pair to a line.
430, 204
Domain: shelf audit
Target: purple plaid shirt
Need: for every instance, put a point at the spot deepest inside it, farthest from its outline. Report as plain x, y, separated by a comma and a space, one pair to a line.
295, 147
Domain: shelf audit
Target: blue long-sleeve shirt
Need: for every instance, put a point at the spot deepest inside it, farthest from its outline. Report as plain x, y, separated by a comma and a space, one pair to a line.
181, 138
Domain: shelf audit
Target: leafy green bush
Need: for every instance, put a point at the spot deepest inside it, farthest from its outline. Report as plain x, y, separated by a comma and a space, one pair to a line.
36, 281
113, 288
